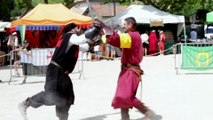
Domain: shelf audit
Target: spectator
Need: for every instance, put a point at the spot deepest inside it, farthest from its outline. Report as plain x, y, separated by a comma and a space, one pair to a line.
13, 41
12, 45
98, 53
153, 42
161, 43
26, 54
193, 35
145, 41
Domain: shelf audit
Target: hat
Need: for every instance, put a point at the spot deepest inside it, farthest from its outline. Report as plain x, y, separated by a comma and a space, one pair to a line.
14, 33
69, 27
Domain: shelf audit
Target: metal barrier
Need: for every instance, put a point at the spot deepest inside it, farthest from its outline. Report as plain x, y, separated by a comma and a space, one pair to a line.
36, 64
194, 58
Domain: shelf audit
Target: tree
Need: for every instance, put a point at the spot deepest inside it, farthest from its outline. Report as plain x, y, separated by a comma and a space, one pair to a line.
5, 7
69, 3
46, 1
182, 7
22, 7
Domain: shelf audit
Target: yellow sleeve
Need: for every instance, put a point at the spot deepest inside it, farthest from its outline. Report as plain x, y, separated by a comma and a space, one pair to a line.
103, 38
125, 40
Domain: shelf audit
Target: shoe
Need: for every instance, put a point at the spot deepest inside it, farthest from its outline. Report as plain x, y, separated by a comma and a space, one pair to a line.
149, 115
23, 82
18, 74
23, 109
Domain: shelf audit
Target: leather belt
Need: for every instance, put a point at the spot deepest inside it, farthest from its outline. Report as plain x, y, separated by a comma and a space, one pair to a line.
56, 64
135, 68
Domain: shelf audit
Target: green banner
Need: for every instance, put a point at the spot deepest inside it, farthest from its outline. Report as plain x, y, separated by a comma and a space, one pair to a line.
197, 57
22, 33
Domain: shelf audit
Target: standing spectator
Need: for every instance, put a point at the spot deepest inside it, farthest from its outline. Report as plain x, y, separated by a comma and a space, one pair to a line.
130, 76
145, 41
12, 45
58, 88
26, 59
161, 43
13, 41
98, 53
17, 63
110, 52
24, 53
193, 35
153, 42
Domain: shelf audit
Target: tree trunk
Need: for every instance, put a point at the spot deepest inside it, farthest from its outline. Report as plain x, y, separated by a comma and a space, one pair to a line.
46, 1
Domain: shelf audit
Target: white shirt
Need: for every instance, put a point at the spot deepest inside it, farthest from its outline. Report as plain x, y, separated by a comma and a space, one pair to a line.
145, 38
78, 40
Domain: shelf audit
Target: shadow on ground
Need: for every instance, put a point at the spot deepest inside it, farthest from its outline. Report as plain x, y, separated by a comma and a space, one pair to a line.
99, 117
102, 117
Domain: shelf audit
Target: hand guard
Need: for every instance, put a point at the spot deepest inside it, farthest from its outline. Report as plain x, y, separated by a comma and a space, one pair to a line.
96, 41
92, 32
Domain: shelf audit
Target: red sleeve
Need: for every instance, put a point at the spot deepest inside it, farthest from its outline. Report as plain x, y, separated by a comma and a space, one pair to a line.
114, 40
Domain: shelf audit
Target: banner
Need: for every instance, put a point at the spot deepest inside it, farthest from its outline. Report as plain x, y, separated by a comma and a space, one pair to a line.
22, 33
197, 57
42, 57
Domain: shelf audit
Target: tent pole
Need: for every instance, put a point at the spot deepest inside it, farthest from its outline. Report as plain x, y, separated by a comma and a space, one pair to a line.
184, 30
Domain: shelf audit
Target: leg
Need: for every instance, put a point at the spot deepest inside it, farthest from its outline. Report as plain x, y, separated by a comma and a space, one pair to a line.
24, 68
125, 114
145, 110
42, 98
62, 112
16, 65
145, 52
24, 81
142, 108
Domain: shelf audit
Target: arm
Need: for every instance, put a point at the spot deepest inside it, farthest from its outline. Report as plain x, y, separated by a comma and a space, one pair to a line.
16, 42
87, 40
123, 40
9, 39
84, 47
77, 40
27, 52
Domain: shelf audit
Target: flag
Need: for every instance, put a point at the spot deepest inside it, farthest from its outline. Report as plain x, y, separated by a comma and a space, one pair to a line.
197, 57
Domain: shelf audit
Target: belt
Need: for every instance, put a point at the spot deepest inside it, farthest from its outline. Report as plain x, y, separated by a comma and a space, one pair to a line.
56, 64
135, 68
135, 65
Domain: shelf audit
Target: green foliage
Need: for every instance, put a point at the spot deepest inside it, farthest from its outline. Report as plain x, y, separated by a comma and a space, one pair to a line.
5, 7
21, 7
14, 8
181, 7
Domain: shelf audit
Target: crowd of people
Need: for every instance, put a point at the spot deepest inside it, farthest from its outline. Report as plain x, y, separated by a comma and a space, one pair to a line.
153, 43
